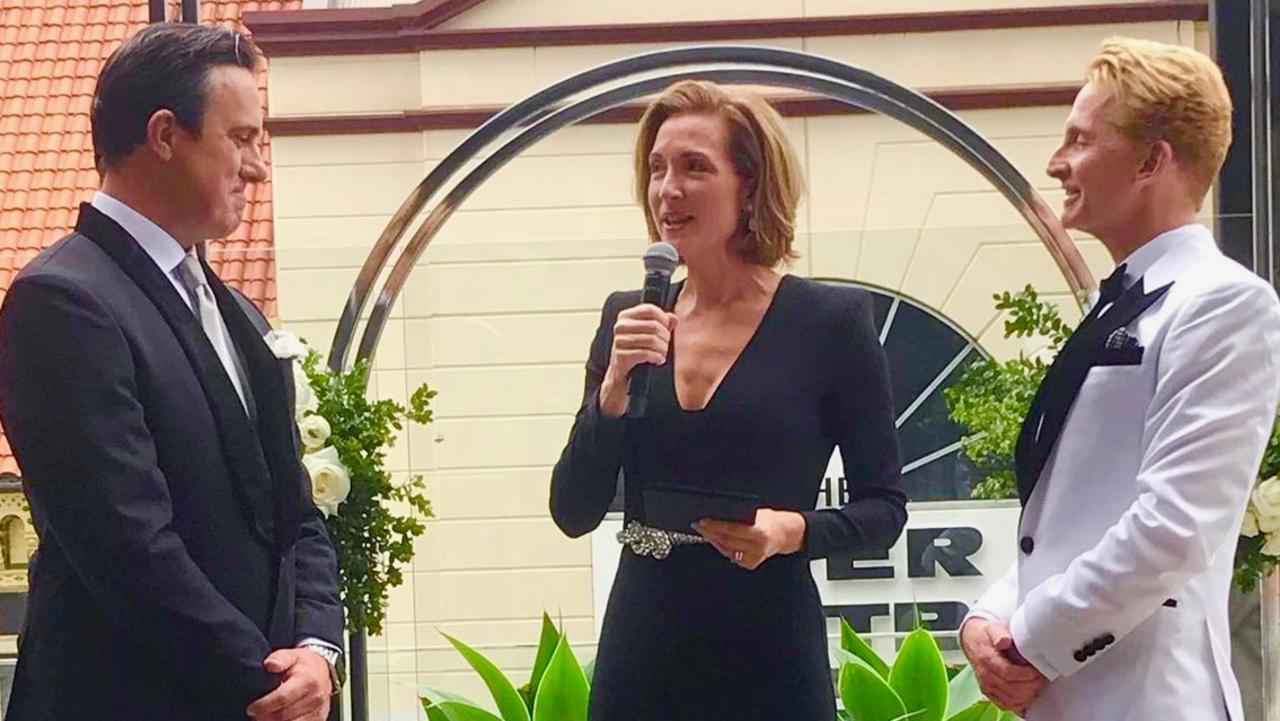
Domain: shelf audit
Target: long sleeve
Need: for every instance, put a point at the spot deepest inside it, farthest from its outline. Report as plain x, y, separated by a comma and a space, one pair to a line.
861, 414
70, 403
999, 601
1207, 424
585, 478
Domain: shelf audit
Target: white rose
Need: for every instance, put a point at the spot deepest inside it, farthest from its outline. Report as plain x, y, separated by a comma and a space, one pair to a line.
1249, 527
314, 430
1272, 546
1266, 503
304, 399
330, 482
285, 344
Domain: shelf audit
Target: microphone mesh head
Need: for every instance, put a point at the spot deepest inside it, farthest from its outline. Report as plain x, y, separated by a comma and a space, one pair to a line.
661, 257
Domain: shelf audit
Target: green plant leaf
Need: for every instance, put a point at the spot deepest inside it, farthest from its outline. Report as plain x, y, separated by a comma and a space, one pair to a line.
508, 700
1008, 716
980, 711
589, 670
866, 696
445, 706
962, 692
563, 693
853, 643
546, 646
920, 677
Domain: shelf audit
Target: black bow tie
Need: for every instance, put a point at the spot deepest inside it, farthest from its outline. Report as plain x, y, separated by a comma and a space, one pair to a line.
1112, 287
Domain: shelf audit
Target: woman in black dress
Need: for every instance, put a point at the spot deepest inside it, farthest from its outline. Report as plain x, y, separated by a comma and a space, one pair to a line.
758, 376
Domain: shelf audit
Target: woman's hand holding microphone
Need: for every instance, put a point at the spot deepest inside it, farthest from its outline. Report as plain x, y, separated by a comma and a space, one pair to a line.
642, 334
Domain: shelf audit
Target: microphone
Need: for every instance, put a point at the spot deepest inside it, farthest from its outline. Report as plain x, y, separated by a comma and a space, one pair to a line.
660, 260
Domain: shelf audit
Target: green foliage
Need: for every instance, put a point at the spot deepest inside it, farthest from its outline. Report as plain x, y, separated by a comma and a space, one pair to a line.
920, 677
866, 696
558, 688
373, 539
1252, 565
850, 641
915, 687
509, 702
991, 398
918, 686
563, 692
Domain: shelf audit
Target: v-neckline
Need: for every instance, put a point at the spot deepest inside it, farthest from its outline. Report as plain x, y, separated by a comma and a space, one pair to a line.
724, 377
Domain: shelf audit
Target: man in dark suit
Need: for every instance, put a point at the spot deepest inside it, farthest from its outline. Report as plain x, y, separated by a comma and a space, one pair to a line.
183, 571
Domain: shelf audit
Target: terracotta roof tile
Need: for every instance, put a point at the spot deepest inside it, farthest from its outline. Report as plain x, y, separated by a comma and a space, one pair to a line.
50, 55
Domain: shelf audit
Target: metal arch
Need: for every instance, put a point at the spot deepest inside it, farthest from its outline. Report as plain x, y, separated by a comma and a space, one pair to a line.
848, 84
1019, 194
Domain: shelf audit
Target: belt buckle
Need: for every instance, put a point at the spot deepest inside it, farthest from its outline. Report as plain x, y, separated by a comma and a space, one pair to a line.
654, 542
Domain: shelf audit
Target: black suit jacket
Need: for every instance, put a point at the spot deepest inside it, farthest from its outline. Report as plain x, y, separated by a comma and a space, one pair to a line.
178, 542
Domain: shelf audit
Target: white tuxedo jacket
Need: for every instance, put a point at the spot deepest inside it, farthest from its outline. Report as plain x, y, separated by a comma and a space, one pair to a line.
1128, 532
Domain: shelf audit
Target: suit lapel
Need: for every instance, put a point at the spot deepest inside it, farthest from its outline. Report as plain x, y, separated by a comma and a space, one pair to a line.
251, 475
275, 414
1057, 392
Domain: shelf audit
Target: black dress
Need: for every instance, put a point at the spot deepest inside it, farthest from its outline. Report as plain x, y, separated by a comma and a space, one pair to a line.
692, 636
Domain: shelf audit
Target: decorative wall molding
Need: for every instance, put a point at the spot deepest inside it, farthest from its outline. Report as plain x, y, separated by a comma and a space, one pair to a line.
408, 28
978, 98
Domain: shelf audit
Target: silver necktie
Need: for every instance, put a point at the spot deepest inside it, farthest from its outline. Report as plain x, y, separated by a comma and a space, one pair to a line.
205, 306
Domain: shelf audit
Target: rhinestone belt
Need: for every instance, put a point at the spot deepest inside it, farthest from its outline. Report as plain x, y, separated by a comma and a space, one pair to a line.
654, 542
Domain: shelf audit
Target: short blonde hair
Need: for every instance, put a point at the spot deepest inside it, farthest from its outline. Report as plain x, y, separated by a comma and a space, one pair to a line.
761, 154
1172, 93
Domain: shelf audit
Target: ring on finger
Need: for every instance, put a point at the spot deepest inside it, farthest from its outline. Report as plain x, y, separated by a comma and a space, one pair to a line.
737, 558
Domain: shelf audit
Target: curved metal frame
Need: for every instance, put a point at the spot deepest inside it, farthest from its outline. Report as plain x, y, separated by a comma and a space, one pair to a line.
765, 66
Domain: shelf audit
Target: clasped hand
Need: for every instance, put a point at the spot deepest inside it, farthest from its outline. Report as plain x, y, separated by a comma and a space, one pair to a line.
304, 690
1003, 675
750, 544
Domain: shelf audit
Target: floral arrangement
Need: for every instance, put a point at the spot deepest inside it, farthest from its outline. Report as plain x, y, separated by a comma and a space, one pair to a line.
1259, 551
991, 399
373, 522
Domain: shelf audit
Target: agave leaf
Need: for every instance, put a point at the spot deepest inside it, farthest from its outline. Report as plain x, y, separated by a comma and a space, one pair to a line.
963, 692
1007, 716
589, 670
853, 643
563, 693
920, 677
445, 706
980, 711
866, 696
508, 700
546, 646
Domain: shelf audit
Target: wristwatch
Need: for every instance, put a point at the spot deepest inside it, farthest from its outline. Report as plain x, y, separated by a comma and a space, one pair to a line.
337, 674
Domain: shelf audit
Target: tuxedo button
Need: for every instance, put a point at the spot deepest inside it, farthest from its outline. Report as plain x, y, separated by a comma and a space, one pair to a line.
1081, 656
1108, 639
1027, 544
1095, 646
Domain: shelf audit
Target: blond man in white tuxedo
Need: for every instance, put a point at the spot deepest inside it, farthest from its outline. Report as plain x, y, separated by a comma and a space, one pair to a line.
1136, 461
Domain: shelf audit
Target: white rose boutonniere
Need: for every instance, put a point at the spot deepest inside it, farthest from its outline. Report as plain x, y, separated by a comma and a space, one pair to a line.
330, 482
286, 345
314, 430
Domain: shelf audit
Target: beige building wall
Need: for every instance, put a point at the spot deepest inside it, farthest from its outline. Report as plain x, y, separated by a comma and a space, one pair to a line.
500, 311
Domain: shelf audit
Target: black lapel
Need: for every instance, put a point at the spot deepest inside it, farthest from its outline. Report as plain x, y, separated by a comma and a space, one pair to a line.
249, 470
1062, 383
275, 415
